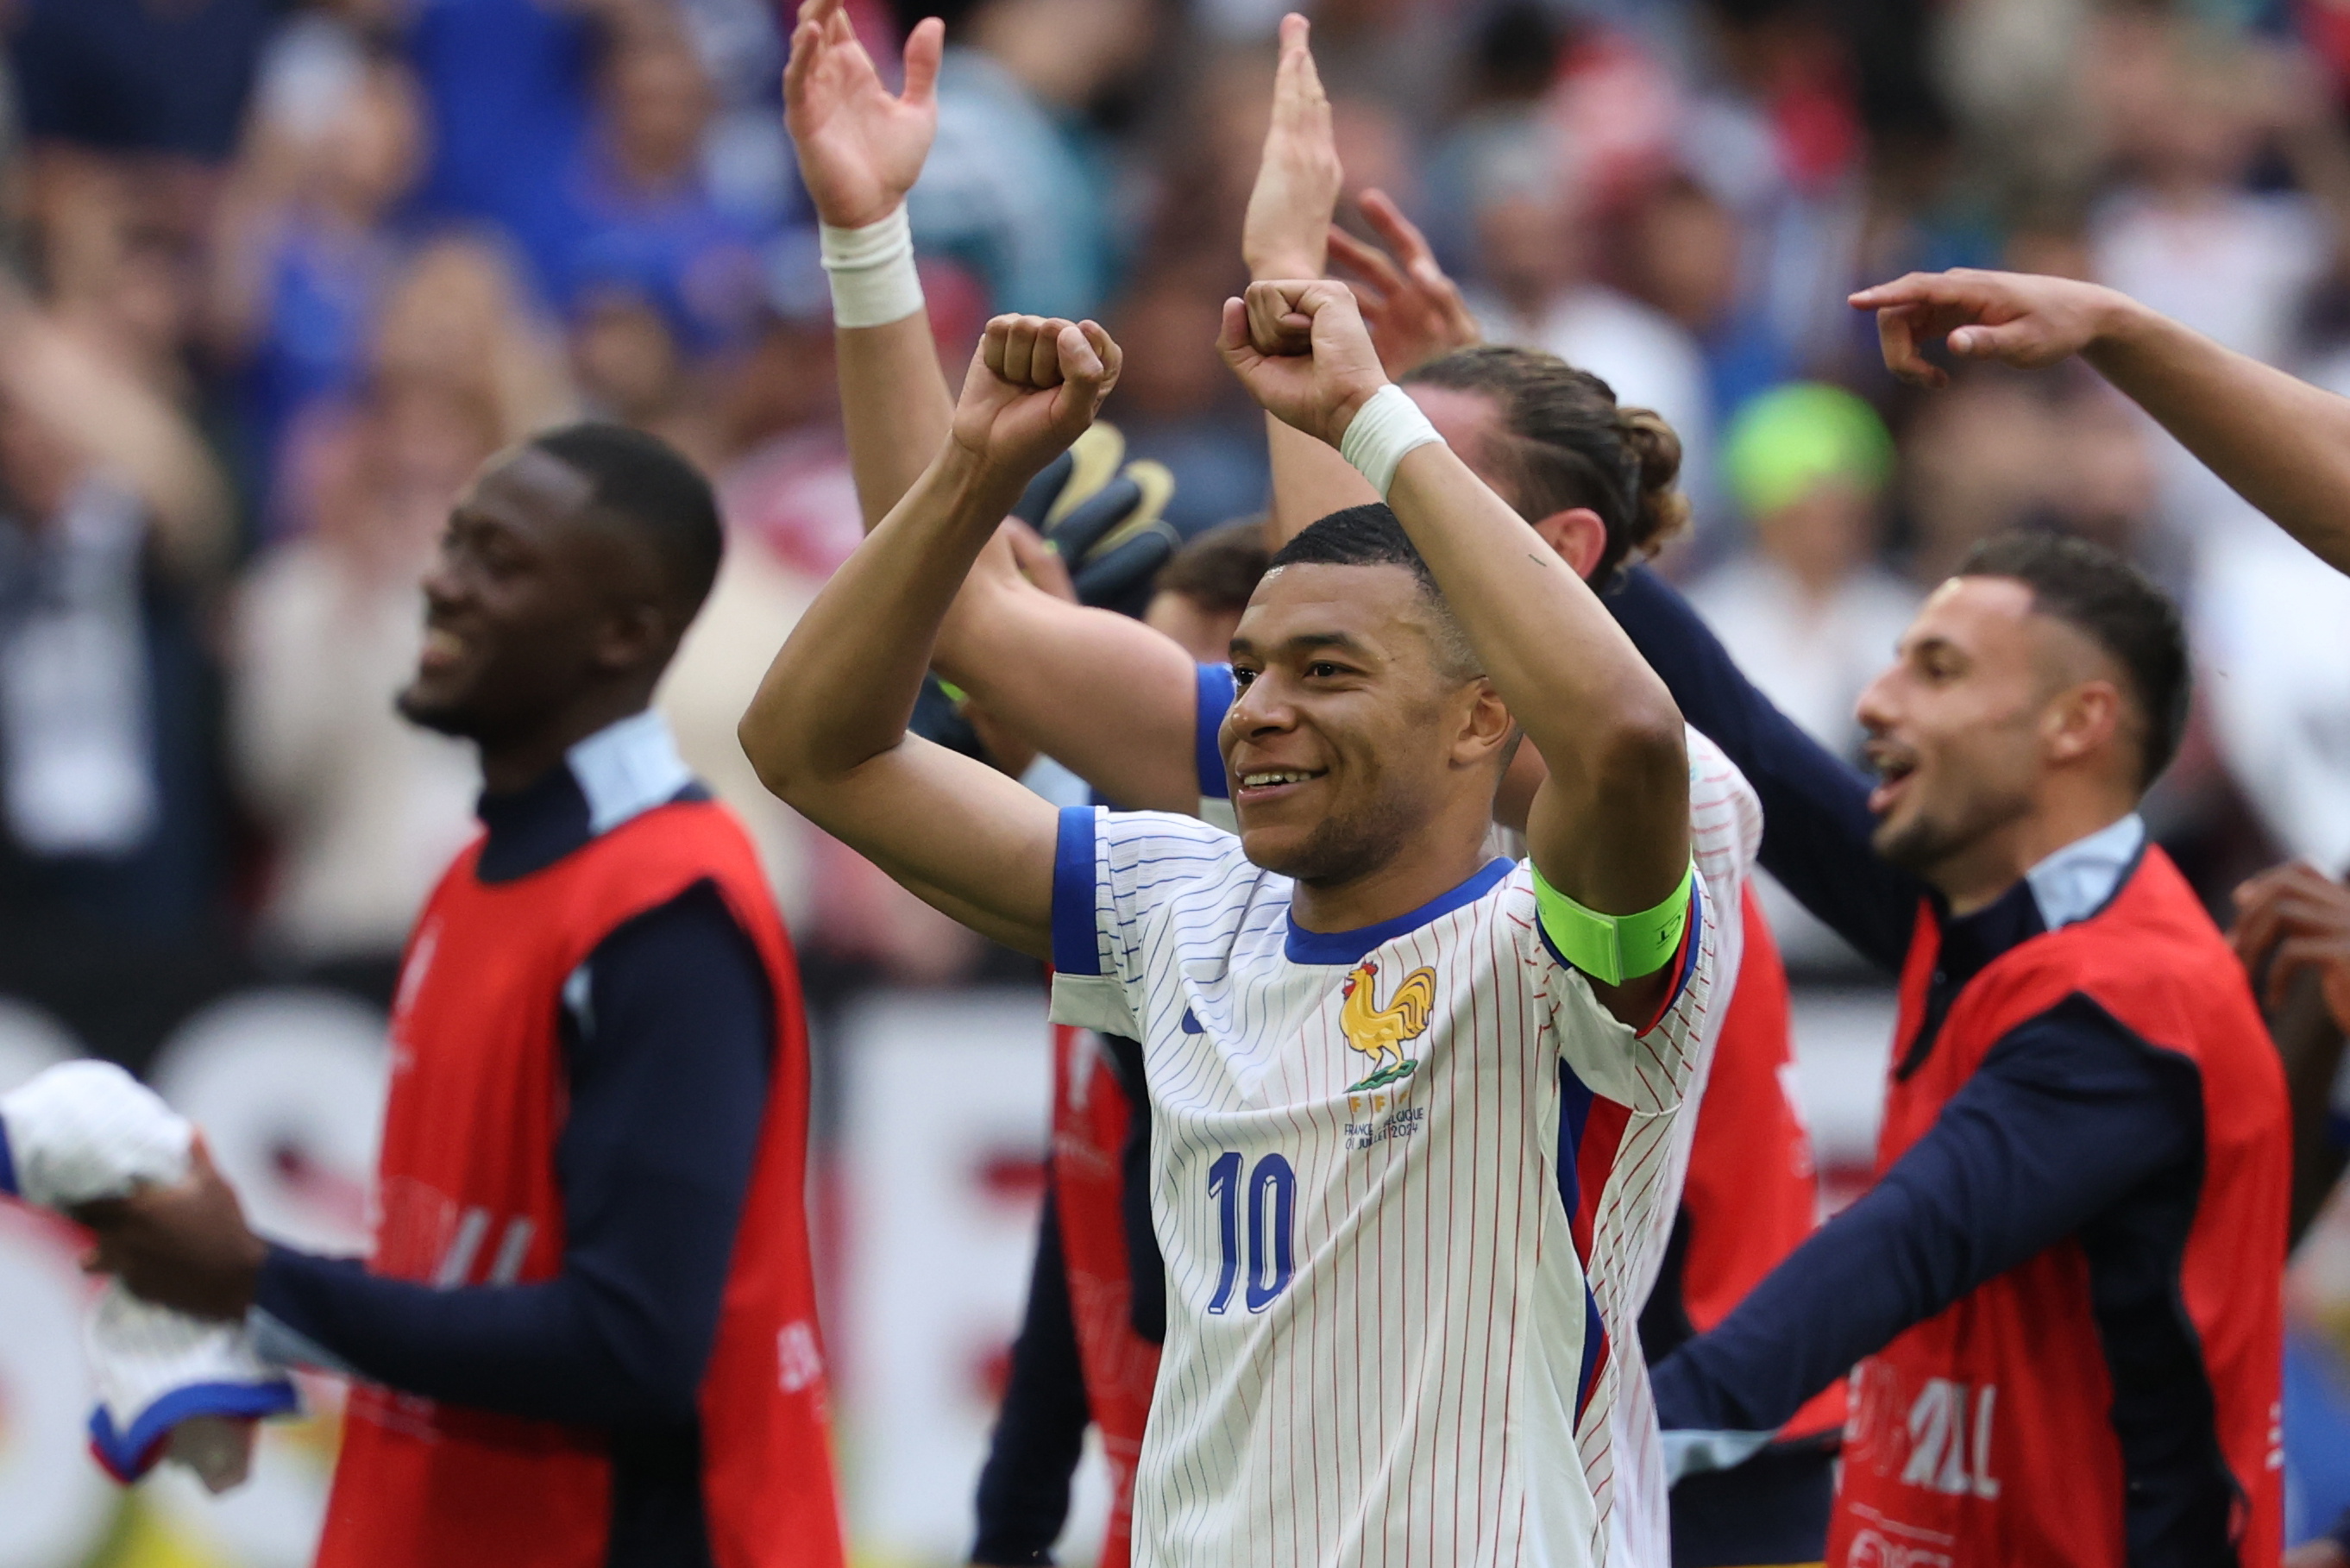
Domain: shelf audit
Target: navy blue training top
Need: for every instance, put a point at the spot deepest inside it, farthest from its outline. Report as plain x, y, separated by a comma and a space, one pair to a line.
2073, 1127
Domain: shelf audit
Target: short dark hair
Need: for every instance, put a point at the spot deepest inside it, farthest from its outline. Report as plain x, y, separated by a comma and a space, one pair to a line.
1372, 535
1219, 569
642, 482
2116, 607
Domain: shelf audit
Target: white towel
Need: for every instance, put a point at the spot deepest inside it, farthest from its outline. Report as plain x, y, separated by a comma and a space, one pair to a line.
169, 1386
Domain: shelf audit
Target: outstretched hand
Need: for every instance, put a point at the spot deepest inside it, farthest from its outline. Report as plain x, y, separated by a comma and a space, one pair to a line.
2293, 917
2020, 320
1034, 387
185, 1246
1302, 351
1297, 181
860, 147
1414, 311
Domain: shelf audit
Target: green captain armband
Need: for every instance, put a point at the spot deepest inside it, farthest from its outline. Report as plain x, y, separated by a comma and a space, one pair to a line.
1613, 949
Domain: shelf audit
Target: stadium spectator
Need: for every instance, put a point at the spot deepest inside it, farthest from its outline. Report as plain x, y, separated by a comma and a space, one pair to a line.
1540, 253
361, 807
1178, 406
116, 527
126, 80
1016, 185
1807, 608
304, 251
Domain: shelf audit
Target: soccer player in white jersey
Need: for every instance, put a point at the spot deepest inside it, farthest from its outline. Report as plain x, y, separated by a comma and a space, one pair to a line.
1381, 1337
1125, 708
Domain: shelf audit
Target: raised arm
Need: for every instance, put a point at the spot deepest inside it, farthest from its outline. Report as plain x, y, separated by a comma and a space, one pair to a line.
828, 729
1107, 697
1610, 825
1103, 695
860, 149
111, 419
1412, 310
2280, 444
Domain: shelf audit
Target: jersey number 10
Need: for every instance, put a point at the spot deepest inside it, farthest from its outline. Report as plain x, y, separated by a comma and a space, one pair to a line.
1271, 1207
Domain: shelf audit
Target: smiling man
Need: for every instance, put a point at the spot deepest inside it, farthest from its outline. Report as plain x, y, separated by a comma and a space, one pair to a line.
1371, 1049
586, 1333
2061, 1293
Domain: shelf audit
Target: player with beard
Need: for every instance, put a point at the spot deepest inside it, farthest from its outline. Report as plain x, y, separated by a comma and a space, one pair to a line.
1369, 1048
2062, 1291
586, 1336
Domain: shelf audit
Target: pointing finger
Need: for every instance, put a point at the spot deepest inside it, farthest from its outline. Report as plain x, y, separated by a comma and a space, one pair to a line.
1910, 289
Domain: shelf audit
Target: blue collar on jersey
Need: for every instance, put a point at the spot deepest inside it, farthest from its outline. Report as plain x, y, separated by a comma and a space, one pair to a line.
1348, 946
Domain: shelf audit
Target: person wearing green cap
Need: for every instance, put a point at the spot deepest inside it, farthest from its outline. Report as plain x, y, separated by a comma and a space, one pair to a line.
1804, 606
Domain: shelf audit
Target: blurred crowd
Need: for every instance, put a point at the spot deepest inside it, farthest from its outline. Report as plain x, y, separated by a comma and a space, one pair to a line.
281, 274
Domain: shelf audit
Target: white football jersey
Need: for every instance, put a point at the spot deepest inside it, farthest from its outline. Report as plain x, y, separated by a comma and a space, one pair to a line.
1639, 1165
1385, 1343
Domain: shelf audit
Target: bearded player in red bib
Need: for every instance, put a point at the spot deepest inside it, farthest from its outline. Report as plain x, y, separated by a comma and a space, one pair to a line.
586, 1337
2062, 1293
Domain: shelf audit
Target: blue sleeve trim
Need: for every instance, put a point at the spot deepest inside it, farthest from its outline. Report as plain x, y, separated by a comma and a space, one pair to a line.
1076, 946
129, 1455
1693, 938
1216, 696
7, 1164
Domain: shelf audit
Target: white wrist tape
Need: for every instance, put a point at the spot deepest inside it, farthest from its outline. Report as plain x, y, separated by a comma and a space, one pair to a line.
872, 271
1382, 430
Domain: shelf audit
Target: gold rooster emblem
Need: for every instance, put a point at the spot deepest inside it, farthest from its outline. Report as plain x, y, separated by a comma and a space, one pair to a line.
1380, 1032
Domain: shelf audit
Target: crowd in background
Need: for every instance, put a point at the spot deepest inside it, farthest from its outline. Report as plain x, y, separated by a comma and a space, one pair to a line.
283, 275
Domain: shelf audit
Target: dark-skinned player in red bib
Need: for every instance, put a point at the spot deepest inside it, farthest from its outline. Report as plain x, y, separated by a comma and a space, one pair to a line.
586, 1333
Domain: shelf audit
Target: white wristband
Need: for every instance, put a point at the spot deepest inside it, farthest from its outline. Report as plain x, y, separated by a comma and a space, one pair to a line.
1381, 431
872, 271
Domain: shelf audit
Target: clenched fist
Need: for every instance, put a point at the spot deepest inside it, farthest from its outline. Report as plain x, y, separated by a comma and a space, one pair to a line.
1302, 351
1034, 387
